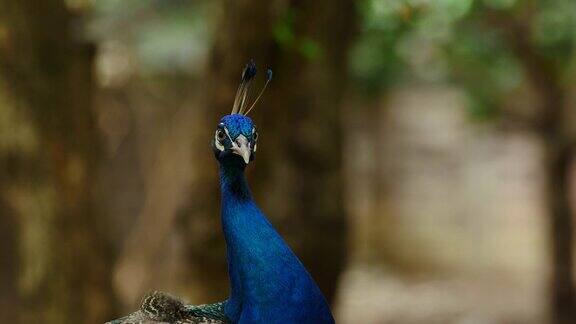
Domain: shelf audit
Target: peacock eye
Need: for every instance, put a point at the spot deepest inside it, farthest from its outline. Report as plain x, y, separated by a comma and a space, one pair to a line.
220, 135
255, 136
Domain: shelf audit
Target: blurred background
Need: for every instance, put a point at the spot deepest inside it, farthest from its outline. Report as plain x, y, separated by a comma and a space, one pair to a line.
416, 154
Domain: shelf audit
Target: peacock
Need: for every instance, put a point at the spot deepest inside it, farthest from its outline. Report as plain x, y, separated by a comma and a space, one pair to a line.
268, 282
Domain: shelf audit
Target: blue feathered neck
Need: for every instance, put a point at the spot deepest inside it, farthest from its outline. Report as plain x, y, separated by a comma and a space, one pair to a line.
268, 282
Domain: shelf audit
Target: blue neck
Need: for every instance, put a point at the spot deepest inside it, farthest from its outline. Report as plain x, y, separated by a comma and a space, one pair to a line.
235, 197
233, 185
268, 282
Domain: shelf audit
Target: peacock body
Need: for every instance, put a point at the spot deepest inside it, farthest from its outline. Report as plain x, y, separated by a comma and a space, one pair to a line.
269, 284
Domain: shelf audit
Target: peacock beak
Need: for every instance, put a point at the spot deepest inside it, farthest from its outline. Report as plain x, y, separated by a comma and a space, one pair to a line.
241, 146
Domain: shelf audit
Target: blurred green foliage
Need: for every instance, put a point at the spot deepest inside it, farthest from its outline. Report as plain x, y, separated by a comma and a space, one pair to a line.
284, 29
399, 41
285, 34
169, 36
457, 41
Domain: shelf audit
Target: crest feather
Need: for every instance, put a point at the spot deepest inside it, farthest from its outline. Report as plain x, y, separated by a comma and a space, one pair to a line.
248, 74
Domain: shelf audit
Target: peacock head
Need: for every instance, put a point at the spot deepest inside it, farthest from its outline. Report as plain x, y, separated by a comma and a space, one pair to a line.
236, 138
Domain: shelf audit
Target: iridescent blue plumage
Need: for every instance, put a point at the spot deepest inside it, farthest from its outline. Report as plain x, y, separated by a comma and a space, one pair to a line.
269, 283
238, 124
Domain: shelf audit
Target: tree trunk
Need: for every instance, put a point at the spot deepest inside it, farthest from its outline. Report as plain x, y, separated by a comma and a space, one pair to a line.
297, 175
9, 265
545, 76
558, 150
49, 71
559, 162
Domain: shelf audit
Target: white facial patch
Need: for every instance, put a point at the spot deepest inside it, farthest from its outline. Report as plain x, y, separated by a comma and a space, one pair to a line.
217, 143
255, 139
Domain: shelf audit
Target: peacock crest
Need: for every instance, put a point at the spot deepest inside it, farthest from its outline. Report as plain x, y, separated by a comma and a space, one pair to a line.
240, 105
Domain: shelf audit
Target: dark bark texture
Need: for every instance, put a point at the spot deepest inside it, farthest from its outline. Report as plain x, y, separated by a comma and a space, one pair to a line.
9, 265
48, 71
